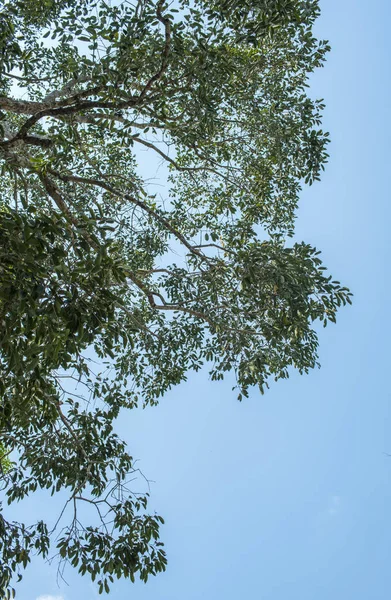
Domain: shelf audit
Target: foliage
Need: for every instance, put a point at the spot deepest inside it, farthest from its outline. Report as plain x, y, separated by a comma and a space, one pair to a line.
5, 462
95, 314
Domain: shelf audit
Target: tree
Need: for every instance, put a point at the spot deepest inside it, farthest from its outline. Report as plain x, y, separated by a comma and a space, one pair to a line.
97, 313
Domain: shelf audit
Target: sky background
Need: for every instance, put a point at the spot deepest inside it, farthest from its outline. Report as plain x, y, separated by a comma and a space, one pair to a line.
287, 496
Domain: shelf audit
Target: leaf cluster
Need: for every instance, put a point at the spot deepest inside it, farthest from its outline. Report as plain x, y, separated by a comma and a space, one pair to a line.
111, 291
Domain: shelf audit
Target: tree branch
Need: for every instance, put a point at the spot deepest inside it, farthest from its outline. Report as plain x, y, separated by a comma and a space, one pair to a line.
166, 50
68, 87
136, 202
55, 194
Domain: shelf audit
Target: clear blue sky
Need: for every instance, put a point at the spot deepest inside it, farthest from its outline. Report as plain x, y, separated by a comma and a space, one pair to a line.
288, 496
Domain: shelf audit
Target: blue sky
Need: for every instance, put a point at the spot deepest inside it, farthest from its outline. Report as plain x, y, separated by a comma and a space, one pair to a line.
287, 496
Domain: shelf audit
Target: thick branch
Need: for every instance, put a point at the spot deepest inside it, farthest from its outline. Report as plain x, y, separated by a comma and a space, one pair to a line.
31, 140
29, 107
20, 107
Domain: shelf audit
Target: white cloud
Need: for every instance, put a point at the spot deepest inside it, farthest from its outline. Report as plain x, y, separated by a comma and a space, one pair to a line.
49, 597
334, 505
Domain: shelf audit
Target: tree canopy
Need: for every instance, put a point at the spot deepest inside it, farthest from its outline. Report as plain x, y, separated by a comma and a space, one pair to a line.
111, 293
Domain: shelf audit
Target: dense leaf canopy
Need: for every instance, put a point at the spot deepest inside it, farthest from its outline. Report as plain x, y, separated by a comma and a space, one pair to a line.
110, 293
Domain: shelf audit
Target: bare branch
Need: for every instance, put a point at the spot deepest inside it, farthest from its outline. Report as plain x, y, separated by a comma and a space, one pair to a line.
160, 152
215, 246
